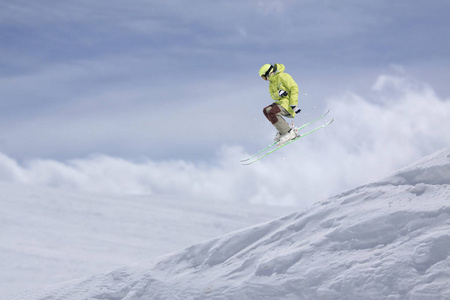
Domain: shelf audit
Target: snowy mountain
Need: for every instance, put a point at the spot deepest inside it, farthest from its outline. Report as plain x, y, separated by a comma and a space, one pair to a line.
386, 240
48, 236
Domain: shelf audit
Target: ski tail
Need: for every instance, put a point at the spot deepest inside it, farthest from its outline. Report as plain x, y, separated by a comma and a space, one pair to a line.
259, 152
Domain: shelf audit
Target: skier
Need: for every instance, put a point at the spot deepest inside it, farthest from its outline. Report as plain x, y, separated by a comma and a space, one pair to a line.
284, 90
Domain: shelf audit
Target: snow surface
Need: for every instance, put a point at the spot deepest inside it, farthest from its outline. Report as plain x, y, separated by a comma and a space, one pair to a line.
48, 236
386, 240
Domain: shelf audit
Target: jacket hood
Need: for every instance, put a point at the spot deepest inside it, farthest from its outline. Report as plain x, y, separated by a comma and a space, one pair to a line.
280, 68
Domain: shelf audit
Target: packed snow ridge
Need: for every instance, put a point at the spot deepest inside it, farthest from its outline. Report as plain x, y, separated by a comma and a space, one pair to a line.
385, 240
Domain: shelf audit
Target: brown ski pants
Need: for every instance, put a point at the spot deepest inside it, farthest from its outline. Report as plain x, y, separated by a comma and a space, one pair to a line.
274, 113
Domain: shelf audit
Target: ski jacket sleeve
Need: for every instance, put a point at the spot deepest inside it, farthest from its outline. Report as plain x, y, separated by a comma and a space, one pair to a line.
291, 87
273, 89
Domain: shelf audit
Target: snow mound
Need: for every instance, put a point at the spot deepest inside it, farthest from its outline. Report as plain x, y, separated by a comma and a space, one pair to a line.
49, 235
385, 240
433, 169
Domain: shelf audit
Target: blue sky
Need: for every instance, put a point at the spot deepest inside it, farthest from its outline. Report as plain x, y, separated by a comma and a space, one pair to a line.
178, 80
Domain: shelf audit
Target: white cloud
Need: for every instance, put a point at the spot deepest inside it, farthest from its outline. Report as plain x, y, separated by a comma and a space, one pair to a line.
368, 140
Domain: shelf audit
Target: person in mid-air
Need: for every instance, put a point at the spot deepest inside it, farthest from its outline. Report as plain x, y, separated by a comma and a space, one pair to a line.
284, 90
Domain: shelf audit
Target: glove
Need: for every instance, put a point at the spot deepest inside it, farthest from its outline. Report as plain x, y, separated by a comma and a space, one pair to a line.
282, 93
295, 109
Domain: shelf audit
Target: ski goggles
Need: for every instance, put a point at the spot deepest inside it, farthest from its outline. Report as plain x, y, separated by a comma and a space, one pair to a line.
267, 73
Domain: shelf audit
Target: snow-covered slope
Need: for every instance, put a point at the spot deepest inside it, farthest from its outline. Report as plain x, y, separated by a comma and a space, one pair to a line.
385, 240
48, 236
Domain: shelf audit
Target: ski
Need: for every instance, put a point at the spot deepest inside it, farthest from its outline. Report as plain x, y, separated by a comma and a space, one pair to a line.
256, 158
274, 143
260, 151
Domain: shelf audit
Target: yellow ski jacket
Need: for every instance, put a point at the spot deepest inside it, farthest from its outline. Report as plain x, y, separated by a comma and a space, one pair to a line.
283, 81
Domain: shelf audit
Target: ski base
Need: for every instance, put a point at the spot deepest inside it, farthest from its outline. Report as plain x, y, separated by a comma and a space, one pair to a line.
263, 153
296, 130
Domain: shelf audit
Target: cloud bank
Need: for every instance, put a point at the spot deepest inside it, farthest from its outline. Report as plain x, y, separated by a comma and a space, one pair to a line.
399, 120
